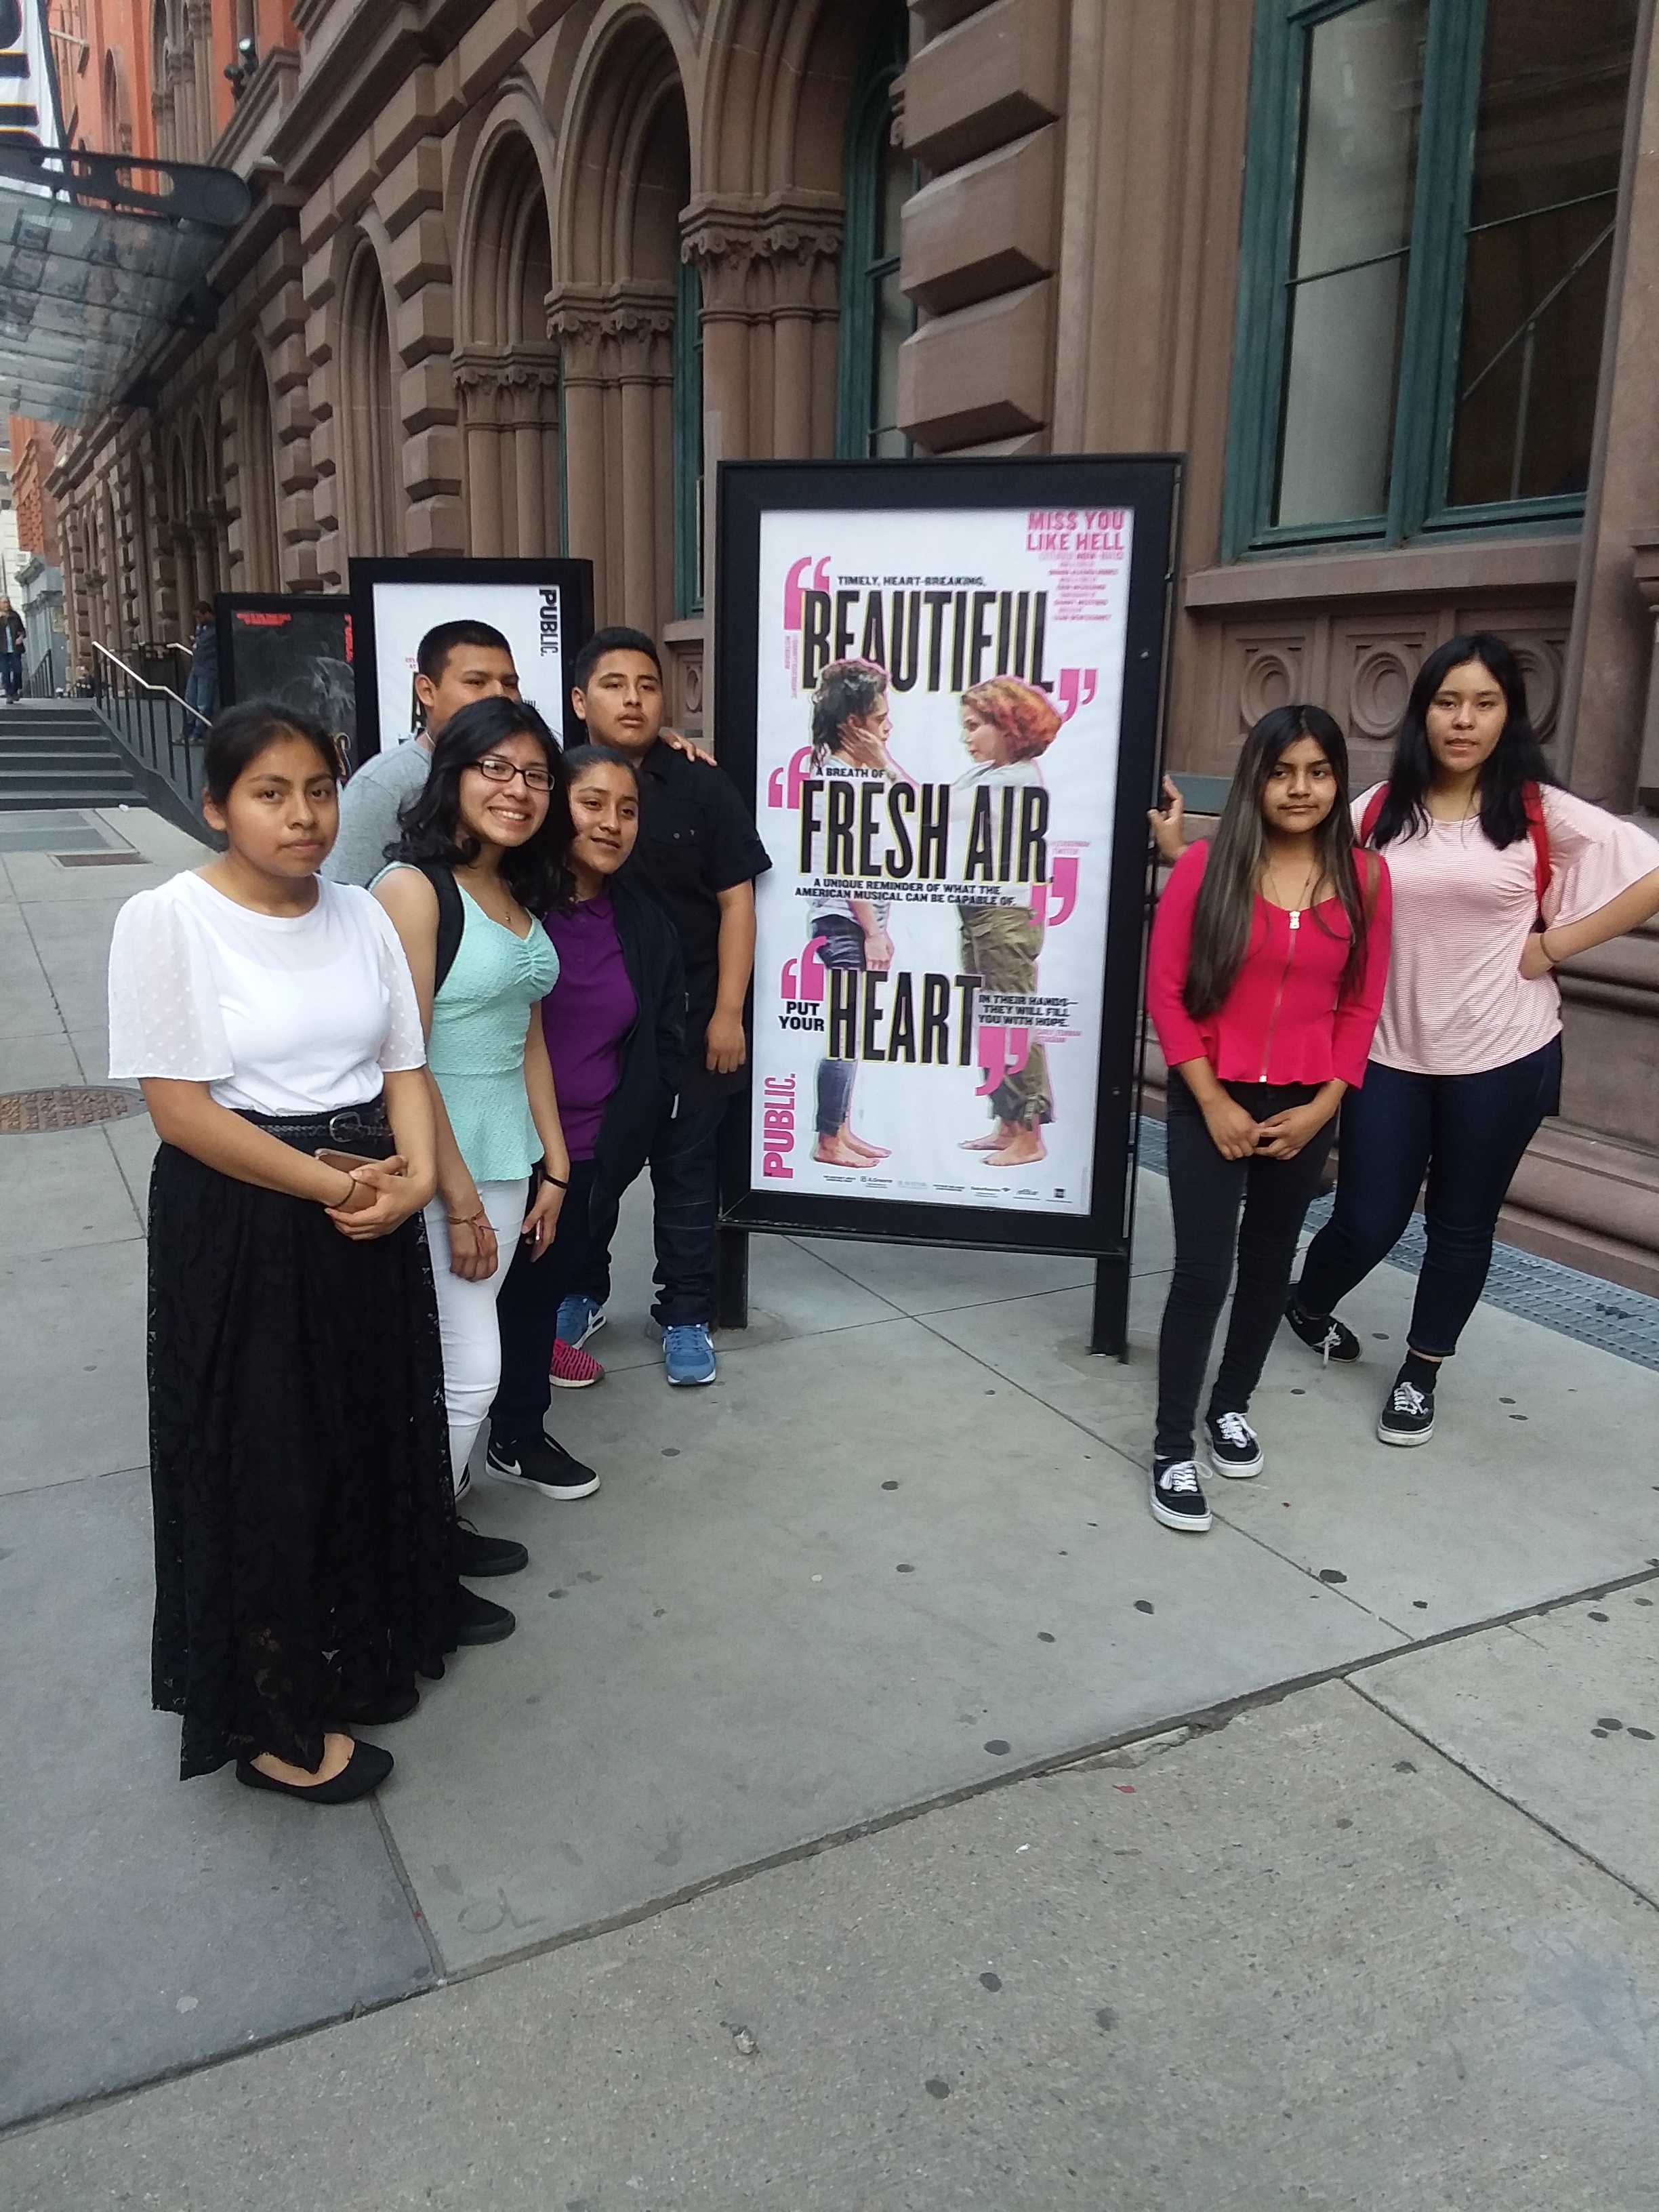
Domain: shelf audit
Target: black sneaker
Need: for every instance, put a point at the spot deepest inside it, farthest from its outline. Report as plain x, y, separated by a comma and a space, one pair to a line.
479, 1621
1234, 1447
479, 1557
1177, 1497
544, 1465
1408, 1417
1330, 1338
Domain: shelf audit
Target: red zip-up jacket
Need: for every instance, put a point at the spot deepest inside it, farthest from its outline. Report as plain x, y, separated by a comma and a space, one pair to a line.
1283, 1021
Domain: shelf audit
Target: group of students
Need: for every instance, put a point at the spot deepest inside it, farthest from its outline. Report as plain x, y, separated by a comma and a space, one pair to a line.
406, 1048
482, 987
1391, 954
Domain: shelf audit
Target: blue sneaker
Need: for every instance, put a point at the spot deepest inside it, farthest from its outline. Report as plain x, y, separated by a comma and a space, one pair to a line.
579, 1319
688, 1354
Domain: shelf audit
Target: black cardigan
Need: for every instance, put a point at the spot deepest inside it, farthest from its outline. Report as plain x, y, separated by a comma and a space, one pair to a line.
652, 1054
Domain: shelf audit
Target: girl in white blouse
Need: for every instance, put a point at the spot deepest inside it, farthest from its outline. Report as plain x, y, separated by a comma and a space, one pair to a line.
305, 1532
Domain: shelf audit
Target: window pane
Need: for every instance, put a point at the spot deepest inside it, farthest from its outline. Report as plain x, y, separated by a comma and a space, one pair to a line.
1554, 86
1361, 105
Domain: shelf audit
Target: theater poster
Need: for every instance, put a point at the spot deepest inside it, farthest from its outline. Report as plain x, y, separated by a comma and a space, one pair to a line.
952, 672
543, 608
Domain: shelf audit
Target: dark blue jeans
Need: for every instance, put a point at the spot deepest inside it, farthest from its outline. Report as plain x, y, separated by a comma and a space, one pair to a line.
527, 1312
685, 1180
1467, 1134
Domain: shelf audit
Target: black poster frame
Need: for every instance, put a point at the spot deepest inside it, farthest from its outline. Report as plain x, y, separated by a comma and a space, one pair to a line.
1151, 486
227, 605
574, 579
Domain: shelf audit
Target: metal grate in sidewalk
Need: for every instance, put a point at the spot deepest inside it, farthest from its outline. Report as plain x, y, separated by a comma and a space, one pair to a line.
1603, 1314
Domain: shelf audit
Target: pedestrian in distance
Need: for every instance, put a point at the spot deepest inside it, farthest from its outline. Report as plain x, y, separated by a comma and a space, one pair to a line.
1264, 979
482, 854
304, 1519
202, 683
13, 638
456, 665
698, 853
614, 1024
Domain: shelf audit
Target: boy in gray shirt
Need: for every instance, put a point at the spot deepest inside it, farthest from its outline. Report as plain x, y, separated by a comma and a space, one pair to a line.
457, 663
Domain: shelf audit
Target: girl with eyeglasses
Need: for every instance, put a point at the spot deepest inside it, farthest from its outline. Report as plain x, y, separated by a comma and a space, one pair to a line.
482, 856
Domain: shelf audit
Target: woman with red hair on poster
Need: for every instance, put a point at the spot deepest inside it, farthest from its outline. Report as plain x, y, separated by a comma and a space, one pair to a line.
1006, 727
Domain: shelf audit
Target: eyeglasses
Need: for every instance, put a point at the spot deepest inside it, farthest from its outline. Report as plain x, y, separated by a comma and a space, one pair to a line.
497, 770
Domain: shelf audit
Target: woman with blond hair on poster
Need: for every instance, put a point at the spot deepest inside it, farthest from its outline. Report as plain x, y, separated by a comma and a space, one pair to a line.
1006, 727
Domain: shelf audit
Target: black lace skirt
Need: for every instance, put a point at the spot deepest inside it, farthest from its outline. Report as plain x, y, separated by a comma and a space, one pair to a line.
305, 1514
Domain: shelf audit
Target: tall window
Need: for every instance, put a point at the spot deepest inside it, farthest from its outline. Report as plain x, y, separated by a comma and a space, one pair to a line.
876, 318
687, 441
1429, 219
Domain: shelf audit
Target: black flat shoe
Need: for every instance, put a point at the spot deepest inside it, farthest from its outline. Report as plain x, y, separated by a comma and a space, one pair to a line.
396, 1705
478, 1557
479, 1621
365, 1770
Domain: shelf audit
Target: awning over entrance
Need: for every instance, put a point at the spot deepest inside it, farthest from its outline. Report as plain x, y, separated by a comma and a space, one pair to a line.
102, 260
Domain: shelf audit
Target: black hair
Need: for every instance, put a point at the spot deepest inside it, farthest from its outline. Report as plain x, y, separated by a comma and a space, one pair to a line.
1238, 853
204, 606
241, 734
847, 690
618, 639
431, 823
580, 758
1517, 761
432, 653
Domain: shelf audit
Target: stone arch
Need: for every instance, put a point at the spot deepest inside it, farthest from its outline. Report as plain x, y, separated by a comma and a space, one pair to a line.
624, 177
256, 486
506, 369
370, 486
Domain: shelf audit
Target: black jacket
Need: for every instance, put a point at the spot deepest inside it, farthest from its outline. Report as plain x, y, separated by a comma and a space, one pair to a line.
653, 1052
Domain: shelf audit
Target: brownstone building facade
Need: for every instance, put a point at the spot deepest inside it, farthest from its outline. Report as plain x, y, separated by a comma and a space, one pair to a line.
521, 272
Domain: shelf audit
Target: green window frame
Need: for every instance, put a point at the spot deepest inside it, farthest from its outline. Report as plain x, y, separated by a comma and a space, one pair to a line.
869, 259
1419, 456
688, 467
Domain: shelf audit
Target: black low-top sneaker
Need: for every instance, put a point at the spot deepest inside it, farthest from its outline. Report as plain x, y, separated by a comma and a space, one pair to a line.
1408, 1417
1177, 1497
479, 1557
1235, 1448
1330, 1338
542, 1463
480, 1620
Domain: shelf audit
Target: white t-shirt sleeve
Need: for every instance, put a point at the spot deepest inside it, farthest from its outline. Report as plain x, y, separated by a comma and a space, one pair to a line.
405, 1041
164, 1014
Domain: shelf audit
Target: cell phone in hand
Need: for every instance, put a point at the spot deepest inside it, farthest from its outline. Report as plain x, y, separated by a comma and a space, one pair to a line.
346, 1162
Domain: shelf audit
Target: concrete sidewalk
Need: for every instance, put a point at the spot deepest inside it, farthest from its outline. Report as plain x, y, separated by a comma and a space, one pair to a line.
900, 1553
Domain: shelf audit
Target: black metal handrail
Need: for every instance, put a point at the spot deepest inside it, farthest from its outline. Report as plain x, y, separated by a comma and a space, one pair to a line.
161, 730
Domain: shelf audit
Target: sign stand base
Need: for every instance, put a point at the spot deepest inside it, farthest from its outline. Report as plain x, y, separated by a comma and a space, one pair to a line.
731, 1277
1109, 1327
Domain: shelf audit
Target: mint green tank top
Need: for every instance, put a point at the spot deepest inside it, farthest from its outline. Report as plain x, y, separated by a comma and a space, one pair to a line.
475, 1051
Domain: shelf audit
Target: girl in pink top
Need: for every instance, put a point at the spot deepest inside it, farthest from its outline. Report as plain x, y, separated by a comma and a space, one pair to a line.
1468, 1057
1264, 982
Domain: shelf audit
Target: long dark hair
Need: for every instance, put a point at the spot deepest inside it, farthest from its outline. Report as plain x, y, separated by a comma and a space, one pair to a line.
1518, 760
431, 821
1238, 853
242, 732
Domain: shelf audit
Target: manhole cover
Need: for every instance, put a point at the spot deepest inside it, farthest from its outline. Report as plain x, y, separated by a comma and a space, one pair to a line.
69, 1107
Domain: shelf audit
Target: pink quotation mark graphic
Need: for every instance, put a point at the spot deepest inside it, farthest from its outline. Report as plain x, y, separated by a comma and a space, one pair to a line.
1077, 688
1054, 901
818, 580
1001, 1051
783, 785
802, 980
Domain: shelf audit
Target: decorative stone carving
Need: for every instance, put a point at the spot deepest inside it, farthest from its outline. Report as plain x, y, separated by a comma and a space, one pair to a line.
760, 253
1541, 665
1381, 683
1273, 677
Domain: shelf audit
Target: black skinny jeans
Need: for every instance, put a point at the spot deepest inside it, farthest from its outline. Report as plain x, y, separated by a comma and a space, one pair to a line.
1468, 1133
527, 1313
1205, 1193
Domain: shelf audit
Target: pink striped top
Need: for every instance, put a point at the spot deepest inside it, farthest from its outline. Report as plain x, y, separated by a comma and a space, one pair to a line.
1456, 1002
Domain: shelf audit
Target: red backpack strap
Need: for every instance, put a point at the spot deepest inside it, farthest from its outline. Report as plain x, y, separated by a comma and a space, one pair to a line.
1533, 800
1373, 809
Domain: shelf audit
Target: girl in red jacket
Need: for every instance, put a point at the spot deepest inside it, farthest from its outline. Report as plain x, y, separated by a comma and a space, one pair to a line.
1269, 959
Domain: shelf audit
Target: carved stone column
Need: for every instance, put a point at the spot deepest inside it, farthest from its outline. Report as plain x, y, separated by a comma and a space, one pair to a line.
617, 343
770, 308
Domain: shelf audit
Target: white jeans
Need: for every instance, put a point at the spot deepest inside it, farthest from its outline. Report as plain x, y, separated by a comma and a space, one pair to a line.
466, 1316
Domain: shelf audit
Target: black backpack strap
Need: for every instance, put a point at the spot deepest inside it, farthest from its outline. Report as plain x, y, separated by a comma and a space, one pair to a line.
451, 919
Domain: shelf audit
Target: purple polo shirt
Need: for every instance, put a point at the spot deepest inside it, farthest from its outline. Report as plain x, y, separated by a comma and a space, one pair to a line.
584, 1016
